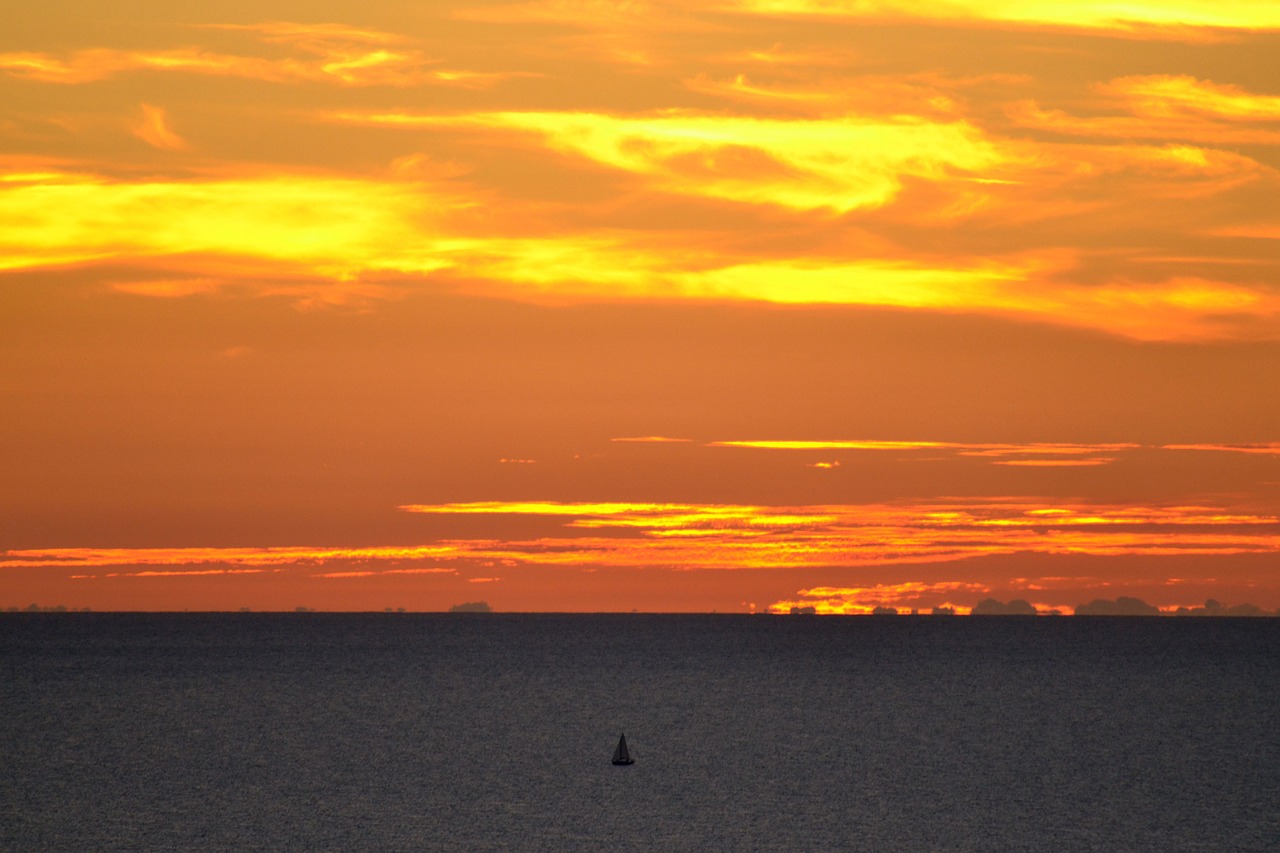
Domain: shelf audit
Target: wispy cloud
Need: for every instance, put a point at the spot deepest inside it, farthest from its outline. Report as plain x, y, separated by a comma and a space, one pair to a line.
1262, 448
1169, 126
155, 131
702, 536
837, 164
1150, 18
725, 537
837, 445
323, 53
369, 573
152, 573
1057, 463
1035, 454
1181, 94
253, 557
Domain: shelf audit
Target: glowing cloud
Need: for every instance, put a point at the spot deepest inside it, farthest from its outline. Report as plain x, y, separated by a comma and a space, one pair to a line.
368, 573
1046, 455
836, 445
837, 164
273, 556
693, 537
155, 131
333, 226
740, 536
1168, 94
337, 228
1056, 463
1143, 17
151, 573
1182, 308
376, 67
885, 96
1264, 448
826, 600
326, 53
1154, 125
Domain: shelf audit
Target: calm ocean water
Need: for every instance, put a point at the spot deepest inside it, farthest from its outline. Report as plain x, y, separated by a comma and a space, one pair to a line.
442, 732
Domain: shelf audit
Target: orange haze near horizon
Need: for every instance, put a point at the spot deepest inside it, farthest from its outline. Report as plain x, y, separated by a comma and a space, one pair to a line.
575, 306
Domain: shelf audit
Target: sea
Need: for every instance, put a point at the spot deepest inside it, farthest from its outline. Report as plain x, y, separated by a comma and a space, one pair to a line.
402, 731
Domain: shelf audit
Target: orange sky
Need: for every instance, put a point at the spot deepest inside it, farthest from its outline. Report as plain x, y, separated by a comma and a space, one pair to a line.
575, 305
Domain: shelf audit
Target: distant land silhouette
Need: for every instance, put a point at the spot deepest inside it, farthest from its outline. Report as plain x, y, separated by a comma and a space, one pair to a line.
471, 607
1122, 606
1125, 606
1214, 608
991, 607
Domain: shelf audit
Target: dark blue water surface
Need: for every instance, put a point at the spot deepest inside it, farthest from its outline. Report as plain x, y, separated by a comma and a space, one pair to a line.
420, 732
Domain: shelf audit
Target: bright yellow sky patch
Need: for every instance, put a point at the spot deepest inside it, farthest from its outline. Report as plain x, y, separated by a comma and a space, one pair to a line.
335, 226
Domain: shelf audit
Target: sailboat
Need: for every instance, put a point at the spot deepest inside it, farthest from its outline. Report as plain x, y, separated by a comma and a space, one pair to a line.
620, 756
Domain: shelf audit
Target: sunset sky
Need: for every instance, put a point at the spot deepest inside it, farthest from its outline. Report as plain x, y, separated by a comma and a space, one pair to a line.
669, 306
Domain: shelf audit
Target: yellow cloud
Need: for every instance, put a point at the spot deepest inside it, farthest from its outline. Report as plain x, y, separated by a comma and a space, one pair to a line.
869, 95
690, 536
963, 449
1264, 448
1171, 95
1153, 18
1057, 463
828, 601
176, 574
339, 228
838, 164
836, 445
1180, 308
334, 226
1150, 17
1035, 455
